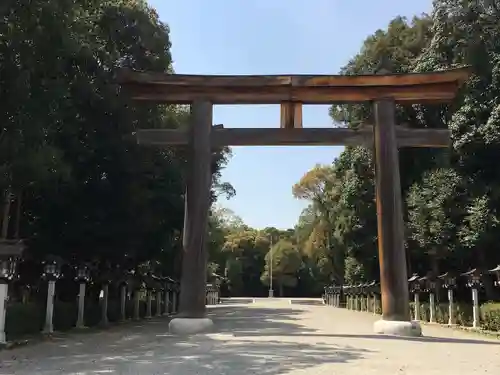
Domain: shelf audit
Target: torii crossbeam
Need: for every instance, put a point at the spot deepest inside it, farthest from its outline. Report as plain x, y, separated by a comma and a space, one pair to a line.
291, 92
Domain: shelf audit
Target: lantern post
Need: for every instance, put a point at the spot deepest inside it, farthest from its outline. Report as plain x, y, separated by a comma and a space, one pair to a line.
82, 277
474, 283
51, 273
449, 282
414, 283
10, 252
429, 283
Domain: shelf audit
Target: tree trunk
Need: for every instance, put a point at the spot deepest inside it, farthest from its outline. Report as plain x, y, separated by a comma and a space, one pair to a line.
435, 271
434, 262
281, 289
6, 214
488, 287
18, 213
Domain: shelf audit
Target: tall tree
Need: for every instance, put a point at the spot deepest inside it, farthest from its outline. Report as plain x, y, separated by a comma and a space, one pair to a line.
285, 260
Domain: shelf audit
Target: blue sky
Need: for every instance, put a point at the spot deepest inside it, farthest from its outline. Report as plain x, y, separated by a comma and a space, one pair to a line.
272, 37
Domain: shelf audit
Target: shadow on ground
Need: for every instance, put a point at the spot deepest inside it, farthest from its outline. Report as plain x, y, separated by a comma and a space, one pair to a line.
425, 339
148, 348
257, 320
232, 301
309, 302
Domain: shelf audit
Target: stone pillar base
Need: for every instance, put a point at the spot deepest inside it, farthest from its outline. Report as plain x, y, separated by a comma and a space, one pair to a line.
190, 326
398, 328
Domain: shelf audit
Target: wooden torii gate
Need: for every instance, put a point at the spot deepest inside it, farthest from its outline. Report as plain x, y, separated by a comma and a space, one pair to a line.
291, 92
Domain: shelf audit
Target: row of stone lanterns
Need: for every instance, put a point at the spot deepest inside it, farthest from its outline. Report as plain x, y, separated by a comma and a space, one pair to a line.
359, 297
363, 297
333, 295
429, 284
160, 285
154, 285
212, 294
52, 272
366, 296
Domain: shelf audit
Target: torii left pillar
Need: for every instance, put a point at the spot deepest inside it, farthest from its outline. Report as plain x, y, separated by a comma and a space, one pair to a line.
192, 317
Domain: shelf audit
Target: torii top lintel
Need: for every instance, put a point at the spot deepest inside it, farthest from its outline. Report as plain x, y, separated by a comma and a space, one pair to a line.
439, 86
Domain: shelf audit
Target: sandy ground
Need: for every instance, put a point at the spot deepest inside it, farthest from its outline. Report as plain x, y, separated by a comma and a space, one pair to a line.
267, 337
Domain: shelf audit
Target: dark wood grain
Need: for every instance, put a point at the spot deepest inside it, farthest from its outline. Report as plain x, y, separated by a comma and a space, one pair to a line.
197, 205
392, 256
302, 136
125, 76
291, 115
435, 93
404, 88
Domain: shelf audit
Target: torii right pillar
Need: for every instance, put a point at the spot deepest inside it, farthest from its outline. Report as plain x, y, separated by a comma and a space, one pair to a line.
392, 257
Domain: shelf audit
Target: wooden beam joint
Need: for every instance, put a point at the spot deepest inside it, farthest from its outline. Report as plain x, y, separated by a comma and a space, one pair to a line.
291, 115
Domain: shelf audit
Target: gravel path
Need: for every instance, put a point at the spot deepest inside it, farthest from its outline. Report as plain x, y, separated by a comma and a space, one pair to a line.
265, 338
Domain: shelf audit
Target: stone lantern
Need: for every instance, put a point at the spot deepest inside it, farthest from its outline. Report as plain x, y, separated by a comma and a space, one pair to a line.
496, 271
415, 287
378, 298
218, 282
149, 295
361, 292
339, 295
449, 282
347, 292
209, 295
358, 296
135, 286
429, 284
140, 287
175, 296
10, 252
474, 283
51, 273
331, 295
352, 294
82, 277
372, 291
106, 275
124, 281
352, 290
168, 290
158, 286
